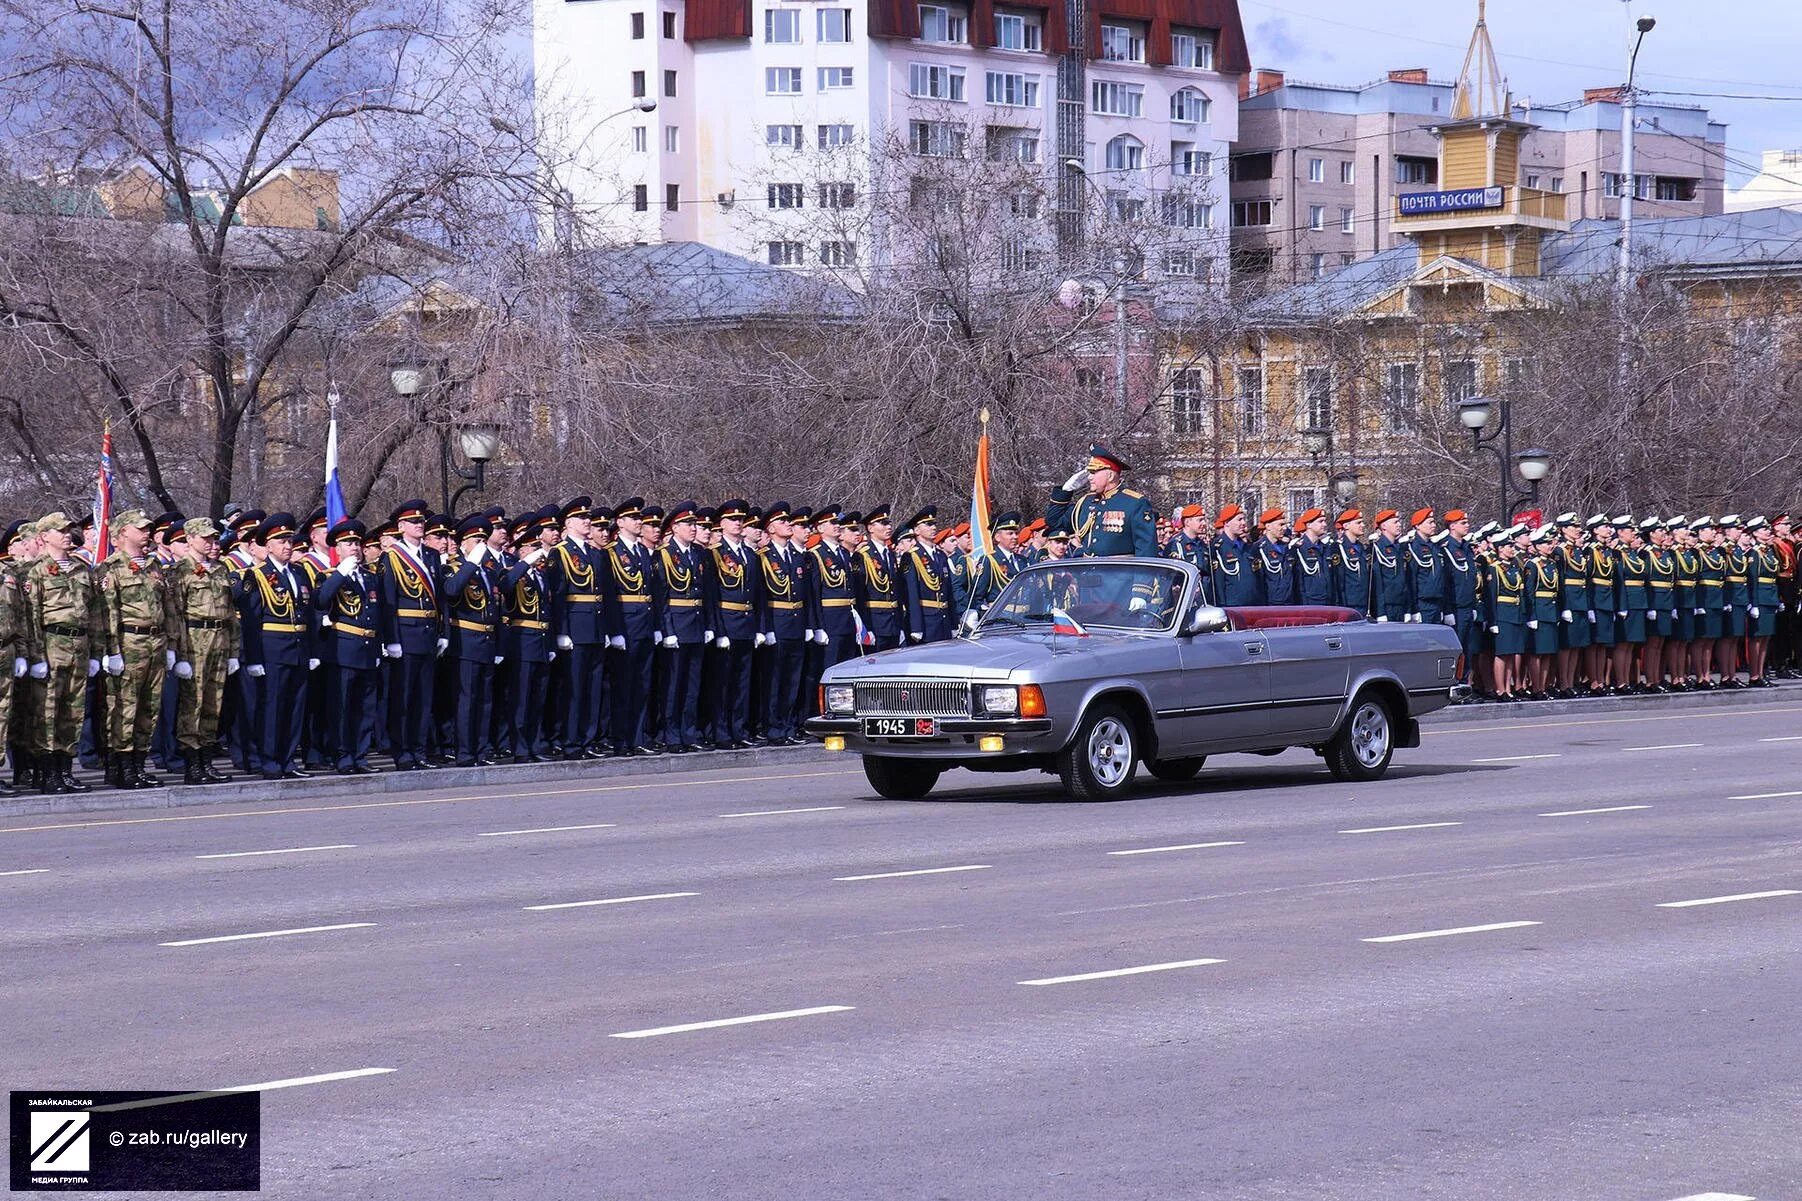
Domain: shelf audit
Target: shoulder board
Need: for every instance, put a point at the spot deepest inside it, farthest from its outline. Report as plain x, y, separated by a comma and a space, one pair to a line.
1133, 494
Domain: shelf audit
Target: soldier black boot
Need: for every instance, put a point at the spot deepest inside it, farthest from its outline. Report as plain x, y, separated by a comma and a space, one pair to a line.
140, 777
65, 766
7, 790
115, 771
211, 774
48, 781
194, 773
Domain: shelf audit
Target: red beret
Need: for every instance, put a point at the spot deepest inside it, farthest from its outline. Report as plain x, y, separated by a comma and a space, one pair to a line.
1309, 517
1270, 515
1227, 514
1349, 516
1452, 515
1385, 515
1189, 511
1419, 516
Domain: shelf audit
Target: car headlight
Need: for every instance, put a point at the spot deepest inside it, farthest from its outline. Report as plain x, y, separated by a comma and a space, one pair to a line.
1000, 701
840, 698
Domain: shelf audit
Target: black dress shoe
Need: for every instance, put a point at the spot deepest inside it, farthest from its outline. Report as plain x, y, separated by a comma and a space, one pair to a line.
295, 773
364, 769
691, 748
575, 756
743, 744
346, 771
595, 752
639, 751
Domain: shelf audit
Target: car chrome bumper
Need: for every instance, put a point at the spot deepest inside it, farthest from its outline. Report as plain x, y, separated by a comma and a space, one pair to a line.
958, 737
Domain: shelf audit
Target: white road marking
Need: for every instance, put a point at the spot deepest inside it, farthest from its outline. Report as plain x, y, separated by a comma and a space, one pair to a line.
773, 812
1663, 746
650, 896
921, 871
28, 871
1186, 846
1453, 930
1581, 812
1387, 829
195, 942
264, 1087
1764, 796
1513, 758
1740, 896
337, 846
744, 1021
546, 830
1717, 1197
1785, 738
1124, 971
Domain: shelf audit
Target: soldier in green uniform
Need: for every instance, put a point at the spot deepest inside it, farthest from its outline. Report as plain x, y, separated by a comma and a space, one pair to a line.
137, 641
20, 549
208, 648
12, 644
1108, 519
62, 617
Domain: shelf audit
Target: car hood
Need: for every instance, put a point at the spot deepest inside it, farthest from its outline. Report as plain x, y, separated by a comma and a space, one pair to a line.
990, 657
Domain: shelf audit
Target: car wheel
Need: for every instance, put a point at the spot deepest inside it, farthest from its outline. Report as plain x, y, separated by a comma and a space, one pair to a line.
1176, 770
1098, 764
900, 779
1362, 748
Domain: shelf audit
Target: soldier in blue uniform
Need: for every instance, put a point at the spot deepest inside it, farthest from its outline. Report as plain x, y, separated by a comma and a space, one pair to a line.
1108, 519
1426, 568
833, 589
1575, 624
1765, 594
881, 593
412, 626
1462, 596
350, 604
1544, 616
278, 646
572, 571
926, 577
528, 637
633, 615
1351, 563
991, 573
472, 602
1236, 580
1711, 600
1276, 566
738, 625
1190, 543
683, 580
1312, 556
1391, 586
1603, 569
785, 614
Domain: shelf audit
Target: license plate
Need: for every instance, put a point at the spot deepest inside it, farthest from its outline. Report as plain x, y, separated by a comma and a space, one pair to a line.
900, 727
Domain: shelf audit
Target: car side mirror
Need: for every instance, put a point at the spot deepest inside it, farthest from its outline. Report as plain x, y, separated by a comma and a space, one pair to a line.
1205, 619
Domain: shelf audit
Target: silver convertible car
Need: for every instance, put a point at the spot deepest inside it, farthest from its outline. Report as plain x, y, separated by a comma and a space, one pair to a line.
1089, 667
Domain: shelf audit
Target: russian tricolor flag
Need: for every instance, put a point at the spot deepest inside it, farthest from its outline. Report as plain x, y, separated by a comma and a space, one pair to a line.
334, 492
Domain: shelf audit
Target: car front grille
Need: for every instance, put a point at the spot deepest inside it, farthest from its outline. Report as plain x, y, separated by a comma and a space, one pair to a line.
914, 698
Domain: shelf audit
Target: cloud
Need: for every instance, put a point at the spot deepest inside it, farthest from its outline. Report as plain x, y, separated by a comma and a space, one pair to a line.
1276, 40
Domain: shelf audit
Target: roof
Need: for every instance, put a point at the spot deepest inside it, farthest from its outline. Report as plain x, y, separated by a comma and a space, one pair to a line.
680, 282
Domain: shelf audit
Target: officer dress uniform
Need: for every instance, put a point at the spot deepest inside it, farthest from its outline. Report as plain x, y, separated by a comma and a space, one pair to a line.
992, 572
785, 617
1234, 569
1276, 572
1427, 572
63, 613
833, 589
1508, 606
528, 641
472, 607
1689, 566
412, 623
1574, 598
1351, 572
1604, 571
278, 639
1391, 583
881, 591
1711, 592
688, 622
1767, 596
1739, 592
738, 583
1633, 604
573, 572
349, 600
632, 614
1661, 597
1121, 522
1462, 598
1542, 579
926, 578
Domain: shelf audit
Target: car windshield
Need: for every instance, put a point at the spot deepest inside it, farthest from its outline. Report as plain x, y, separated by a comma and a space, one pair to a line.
1138, 594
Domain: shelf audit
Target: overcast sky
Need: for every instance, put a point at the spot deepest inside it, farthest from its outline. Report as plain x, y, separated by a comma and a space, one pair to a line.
1552, 49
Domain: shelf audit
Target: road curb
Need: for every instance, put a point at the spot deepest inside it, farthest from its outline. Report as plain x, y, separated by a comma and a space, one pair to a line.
1734, 698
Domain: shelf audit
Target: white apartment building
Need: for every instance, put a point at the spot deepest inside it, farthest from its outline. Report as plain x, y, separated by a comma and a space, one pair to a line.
769, 111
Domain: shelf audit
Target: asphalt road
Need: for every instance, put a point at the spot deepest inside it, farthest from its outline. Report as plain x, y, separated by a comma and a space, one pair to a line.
946, 1010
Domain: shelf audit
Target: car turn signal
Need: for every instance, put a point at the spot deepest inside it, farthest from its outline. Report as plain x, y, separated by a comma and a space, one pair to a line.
1032, 701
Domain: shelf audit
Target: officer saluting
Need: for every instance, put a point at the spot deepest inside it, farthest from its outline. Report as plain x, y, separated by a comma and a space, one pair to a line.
1108, 519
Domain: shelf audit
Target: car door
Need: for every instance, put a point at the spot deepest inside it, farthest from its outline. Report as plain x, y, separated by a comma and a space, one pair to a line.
1225, 692
1309, 670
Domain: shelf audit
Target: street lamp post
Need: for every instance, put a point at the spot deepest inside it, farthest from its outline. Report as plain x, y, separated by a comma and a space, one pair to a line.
1533, 465
479, 440
1317, 440
1629, 185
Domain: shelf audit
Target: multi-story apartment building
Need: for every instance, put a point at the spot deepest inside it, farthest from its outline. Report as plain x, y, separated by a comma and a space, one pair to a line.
760, 126
1317, 167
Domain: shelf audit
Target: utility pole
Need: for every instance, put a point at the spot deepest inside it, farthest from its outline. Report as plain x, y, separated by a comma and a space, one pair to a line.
1629, 184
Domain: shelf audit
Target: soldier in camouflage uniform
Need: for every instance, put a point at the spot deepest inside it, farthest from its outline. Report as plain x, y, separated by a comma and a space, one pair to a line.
12, 643
138, 638
208, 648
20, 549
62, 615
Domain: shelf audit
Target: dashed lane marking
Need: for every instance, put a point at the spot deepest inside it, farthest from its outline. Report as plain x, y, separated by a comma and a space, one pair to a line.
1582, 812
1663, 746
1515, 758
1389, 829
1448, 933
545, 830
649, 896
1738, 896
1764, 796
1124, 971
774, 812
195, 942
337, 846
1186, 846
26, 871
264, 1087
717, 1023
918, 871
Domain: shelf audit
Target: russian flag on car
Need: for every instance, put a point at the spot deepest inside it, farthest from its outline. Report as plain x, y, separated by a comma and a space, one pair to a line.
864, 637
1063, 623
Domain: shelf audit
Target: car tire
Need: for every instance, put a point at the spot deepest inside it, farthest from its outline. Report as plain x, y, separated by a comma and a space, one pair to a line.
1363, 746
1175, 771
1098, 764
900, 779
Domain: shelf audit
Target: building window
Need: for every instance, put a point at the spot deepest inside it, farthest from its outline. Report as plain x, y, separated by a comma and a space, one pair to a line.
1317, 216
1316, 170
1424, 171
1557, 183
937, 139
1122, 43
838, 195
1024, 203
1674, 188
1251, 213
669, 83
834, 79
786, 254
637, 27
1013, 145
782, 81
838, 254
1188, 397
641, 198
1018, 31
1019, 255
1532, 180
1347, 258
940, 24
1401, 396
1316, 265
1345, 220
834, 25
788, 137
786, 195
1116, 99
672, 197
1188, 106
834, 135
1317, 398
1179, 264
928, 82
669, 26
641, 139
1186, 160
638, 85
782, 26
1124, 206
1613, 182
1517, 373
1347, 173
1012, 89
1250, 401
1251, 500
1250, 168
1125, 153
672, 140
1184, 212
1460, 382
1191, 49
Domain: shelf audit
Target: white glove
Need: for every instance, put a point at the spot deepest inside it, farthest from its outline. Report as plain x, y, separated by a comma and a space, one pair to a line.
312, 665
1701, 612
231, 667
168, 660
706, 635
39, 670
757, 640
1078, 482
255, 670
479, 553
1450, 619
535, 555
1136, 605
1564, 615
723, 642
114, 664
392, 650
443, 645
807, 634
1382, 621
564, 644
671, 643
1754, 612
1495, 629
1533, 625
184, 670
916, 637
1415, 617
617, 642
822, 637
20, 667
1728, 609
347, 569
1673, 615
1623, 612
499, 659
1592, 614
